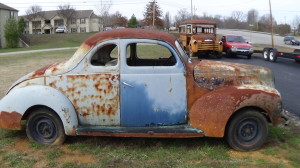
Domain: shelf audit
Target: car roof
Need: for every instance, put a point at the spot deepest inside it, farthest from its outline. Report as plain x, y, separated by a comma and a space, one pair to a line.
130, 33
198, 21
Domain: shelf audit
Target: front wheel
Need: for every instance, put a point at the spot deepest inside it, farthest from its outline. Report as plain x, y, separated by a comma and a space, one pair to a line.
247, 130
44, 126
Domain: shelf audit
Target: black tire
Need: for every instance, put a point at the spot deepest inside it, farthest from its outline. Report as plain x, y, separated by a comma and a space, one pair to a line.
218, 55
229, 53
249, 56
45, 127
266, 54
273, 55
247, 130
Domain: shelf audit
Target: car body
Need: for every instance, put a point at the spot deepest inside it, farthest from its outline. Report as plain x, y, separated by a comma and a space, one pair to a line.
60, 30
291, 40
199, 38
236, 45
141, 83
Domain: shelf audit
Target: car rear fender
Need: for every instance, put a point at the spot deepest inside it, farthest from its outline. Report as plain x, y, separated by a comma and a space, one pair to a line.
14, 105
212, 111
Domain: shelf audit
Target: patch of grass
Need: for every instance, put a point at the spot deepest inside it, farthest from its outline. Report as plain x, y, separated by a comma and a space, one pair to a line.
54, 154
69, 165
52, 163
262, 161
36, 146
21, 160
271, 151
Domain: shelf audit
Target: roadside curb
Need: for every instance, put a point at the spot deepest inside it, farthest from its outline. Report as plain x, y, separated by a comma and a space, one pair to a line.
35, 51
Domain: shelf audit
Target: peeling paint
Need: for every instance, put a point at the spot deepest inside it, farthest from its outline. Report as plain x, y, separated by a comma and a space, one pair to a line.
10, 120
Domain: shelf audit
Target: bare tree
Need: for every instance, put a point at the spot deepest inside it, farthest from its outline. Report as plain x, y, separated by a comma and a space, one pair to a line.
103, 10
33, 12
182, 15
117, 20
152, 7
296, 25
67, 12
167, 21
238, 16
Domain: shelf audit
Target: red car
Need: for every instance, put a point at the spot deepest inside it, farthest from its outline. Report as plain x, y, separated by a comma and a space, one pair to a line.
236, 45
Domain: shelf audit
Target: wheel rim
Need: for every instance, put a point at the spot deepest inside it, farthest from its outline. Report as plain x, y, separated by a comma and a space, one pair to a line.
247, 131
44, 129
265, 55
271, 56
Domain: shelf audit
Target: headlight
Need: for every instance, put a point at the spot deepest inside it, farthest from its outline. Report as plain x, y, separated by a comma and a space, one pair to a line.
250, 49
233, 49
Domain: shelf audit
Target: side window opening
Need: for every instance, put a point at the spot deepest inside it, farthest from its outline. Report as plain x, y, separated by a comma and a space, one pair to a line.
107, 55
145, 54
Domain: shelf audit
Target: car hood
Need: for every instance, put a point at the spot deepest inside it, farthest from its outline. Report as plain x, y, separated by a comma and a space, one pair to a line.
235, 44
212, 75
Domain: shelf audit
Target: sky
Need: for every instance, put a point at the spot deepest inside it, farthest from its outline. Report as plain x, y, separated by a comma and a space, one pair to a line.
283, 11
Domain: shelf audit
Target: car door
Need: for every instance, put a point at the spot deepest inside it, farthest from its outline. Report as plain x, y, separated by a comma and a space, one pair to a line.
152, 85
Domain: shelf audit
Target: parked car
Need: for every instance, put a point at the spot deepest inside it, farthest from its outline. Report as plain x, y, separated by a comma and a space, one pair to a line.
236, 45
141, 83
60, 30
107, 28
291, 40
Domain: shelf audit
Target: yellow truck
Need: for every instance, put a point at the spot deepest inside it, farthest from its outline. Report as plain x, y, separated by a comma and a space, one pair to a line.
199, 38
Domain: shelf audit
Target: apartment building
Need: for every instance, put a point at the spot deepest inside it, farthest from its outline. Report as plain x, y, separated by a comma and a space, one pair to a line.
6, 13
48, 21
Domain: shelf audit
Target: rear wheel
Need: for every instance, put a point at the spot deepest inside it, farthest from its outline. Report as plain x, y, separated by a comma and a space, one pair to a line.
45, 127
266, 54
273, 55
247, 130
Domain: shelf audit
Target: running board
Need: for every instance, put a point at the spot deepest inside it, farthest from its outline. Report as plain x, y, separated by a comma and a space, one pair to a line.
151, 132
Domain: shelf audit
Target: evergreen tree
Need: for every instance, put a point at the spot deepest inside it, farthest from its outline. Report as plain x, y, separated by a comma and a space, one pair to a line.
11, 33
133, 23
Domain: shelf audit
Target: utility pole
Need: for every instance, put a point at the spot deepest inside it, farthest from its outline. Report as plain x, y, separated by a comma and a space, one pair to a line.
153, 24
271, 23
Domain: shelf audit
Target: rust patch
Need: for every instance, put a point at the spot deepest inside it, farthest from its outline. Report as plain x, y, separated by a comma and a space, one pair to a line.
94, 96
211, 112
130, 33
41, 71
10, 120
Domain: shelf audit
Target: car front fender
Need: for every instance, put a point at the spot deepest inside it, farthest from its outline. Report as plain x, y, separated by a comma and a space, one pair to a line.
211, 112
14, 105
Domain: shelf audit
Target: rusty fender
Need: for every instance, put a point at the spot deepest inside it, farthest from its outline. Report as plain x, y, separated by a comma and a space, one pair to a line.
212, 111
19, 100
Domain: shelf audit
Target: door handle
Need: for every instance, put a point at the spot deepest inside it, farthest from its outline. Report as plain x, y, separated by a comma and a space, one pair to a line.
124, 83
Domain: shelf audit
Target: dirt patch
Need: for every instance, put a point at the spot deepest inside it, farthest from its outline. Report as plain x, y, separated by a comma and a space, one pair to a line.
255, 155
75, 156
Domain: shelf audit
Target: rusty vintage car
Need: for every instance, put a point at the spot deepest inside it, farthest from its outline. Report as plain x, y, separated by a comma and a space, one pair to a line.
141, 83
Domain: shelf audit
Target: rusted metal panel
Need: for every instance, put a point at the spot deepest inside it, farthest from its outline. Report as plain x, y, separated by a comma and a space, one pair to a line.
198, 21
94, 96
211, 112
10, 120
213, 75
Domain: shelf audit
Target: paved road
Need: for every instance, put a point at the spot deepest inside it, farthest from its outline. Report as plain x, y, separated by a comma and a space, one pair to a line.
256, 37
287, 78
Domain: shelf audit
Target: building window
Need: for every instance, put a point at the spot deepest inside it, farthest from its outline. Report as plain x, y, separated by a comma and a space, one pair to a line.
58, 23
73, 21
12, 14
26, 24
73, 30
82, 21
82, 29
